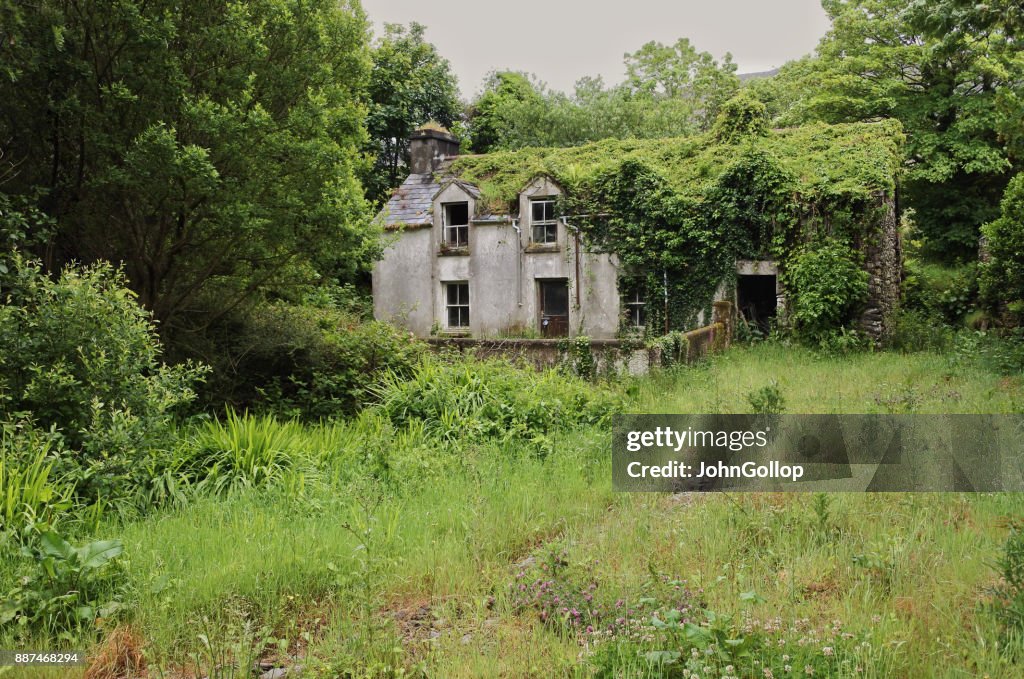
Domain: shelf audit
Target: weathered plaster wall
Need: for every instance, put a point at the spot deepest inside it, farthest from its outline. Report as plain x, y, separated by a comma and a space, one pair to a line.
397, 297
502, 268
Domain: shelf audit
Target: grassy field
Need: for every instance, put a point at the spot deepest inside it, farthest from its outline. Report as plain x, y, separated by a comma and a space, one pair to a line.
514, 558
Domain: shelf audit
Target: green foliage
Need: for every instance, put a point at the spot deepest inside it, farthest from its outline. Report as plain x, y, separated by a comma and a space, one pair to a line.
410, 84
950, 72
67, 588
915, 330
768, 400
1007, 605
306, 361
670, 90
826, 286
678, 213
30, 492
80, 356
244, 451
742, 117
1002, 275
212, 148
578, 357
479, 400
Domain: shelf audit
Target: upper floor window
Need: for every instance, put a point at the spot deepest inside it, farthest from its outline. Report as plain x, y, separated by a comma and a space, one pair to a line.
542, 219
456, 224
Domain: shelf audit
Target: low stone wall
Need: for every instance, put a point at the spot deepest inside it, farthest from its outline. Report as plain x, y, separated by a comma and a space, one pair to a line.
610, 355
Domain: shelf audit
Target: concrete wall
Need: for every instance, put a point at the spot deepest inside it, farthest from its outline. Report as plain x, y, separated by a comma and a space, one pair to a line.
407, 257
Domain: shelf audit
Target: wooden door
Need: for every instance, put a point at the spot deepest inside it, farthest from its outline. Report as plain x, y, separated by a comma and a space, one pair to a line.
554, 307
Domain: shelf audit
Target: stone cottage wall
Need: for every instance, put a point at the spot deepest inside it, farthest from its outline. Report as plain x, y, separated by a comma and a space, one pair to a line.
883, 261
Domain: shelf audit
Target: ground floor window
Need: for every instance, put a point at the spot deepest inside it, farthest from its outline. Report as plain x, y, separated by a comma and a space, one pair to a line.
636, 308
457, 304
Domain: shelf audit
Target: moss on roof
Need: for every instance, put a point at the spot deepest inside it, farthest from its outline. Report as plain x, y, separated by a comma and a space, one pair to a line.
851, 160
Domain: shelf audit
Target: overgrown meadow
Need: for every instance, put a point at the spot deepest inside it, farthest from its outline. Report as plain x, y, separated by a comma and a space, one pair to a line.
463, 524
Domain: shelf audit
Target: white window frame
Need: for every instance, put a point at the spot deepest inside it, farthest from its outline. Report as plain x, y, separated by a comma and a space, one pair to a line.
636, 305
460, 304
546, 224
455, 229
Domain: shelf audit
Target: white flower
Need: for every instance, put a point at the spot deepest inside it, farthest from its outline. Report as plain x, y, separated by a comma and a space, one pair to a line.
828, 651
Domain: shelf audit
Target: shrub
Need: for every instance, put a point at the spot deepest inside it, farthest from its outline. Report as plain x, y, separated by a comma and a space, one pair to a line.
1002, 276
826, 286
80, 356
307, 361
476, 400
915, 330
1007, 605
243, 451
768, 400
30, 491
67, 588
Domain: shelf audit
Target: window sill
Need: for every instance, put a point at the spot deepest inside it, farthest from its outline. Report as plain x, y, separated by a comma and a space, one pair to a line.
455, 332
454, 252
542, 247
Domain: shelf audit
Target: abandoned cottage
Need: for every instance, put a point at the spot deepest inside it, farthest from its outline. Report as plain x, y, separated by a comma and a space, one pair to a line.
626, 238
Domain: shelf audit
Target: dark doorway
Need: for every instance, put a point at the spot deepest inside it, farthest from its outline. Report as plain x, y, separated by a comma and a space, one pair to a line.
755, 297
554, 308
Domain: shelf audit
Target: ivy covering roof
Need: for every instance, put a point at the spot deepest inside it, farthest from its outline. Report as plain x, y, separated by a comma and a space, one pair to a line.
851, 160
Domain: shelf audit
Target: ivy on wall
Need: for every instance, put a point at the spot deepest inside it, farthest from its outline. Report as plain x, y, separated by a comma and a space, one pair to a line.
679, 212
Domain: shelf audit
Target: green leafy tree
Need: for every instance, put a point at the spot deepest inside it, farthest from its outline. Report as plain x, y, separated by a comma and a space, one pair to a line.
1002, 275
79, 355
410, 84
679, 71
213, 148
491, 115
950, 79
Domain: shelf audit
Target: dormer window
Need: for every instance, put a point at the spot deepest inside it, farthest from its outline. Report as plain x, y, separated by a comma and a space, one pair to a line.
542, 219
455, 218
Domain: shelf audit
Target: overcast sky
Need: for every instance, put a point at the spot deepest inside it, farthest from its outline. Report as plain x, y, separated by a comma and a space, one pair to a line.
561, 41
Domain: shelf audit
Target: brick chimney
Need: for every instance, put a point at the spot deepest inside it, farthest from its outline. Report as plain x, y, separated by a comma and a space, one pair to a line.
428, 146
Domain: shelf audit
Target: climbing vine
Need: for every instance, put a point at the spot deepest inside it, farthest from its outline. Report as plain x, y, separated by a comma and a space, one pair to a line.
678, 213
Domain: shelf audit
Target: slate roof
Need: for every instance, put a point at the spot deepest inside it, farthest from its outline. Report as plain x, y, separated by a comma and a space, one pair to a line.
411, 203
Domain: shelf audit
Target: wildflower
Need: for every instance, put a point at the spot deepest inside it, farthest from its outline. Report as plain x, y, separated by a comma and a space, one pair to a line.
728, 669
768, 674
808, 670
787, 668
785, 658
590, 629
828, 651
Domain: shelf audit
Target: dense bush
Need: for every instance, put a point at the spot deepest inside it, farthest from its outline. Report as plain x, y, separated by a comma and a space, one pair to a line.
475, 400
1002, 276
308, 361
947, 294
825, 286
78, 355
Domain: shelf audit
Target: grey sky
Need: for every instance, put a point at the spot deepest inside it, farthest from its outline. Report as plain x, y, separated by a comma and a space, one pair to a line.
563, 40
